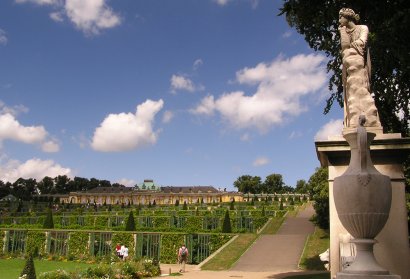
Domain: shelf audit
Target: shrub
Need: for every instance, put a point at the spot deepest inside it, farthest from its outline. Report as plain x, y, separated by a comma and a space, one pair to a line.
226, 227
48, 222
29, 271
130, 226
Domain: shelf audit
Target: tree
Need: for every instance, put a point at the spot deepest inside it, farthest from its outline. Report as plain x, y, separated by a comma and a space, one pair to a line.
273, 183
46, 185
389, 40
185, 206
48, 222
248, 184
232, 205
226, 227
29, 270
318, 182
301, 186
130, 225
177, 203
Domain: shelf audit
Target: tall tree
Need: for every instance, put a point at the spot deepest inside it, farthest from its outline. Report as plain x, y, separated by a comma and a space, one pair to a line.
226, 226
301, 186
248, 184
130, 225
274, 183
319, 184
389, 41
46, 185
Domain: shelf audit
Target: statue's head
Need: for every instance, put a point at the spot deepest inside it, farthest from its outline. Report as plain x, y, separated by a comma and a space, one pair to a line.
349, 14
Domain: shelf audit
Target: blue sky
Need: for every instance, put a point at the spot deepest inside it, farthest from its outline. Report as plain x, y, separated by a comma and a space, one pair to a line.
182, 92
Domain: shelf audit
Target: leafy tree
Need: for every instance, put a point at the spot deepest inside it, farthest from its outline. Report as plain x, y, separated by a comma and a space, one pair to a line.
48, 222
226, 226
29, 269
130, 225
24, 188
318, 182
248, 184
389, 40
46, 185
61, 184
273, 183
301, 186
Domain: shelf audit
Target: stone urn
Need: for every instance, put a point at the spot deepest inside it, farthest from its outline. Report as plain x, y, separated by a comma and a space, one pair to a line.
362, 198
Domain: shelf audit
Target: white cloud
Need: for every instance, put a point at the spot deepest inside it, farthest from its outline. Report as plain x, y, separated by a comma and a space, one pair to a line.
197, 63
16, 110
179, 82
261, 161
222, 2
50, 146
11, 170
280, 86
128, 131
57, 16
167, 117
38, 2
287, 34
127, 182
332, 128
11, 129
3, 38
245, 137
91, 16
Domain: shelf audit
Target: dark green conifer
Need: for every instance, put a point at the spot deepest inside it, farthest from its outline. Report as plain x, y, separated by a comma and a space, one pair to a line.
185, 206
281, 205
226, 227
48, 222
130, 226
29, 269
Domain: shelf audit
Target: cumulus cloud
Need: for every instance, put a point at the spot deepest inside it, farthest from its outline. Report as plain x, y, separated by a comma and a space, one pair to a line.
11, 129
332, 128
261, 161
127, 182
50, 146
11, 170
222, 2
57, 16
128, 131
280, 85
197, 63
167, 117
91, 16
38, 2
3, 38
179, 82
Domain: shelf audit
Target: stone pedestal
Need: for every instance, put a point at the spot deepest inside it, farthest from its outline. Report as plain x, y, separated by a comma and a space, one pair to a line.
388, 153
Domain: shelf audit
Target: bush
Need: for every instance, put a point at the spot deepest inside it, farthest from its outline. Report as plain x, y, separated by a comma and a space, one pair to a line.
130, 226
29, 272
226, 227
48, 222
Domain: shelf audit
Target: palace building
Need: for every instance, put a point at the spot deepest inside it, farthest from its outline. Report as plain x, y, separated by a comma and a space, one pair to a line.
149, 192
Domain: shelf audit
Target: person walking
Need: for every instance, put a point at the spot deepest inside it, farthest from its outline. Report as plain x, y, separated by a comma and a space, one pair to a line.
182, 257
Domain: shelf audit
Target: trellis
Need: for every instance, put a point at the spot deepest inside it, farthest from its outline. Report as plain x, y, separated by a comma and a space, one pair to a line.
57, 243
177, 221
198, 247
102, 244
148, 245
210, 223
244, 223
16, 241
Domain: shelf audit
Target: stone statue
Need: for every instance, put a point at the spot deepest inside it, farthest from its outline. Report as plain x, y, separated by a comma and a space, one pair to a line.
356, 71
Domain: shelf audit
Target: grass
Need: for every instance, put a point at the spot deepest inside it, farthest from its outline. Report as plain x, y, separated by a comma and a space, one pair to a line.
273, 226
316, 244
11, 268
228, 256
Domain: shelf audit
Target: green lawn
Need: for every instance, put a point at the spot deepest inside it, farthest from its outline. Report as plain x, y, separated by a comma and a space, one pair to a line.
273, 226
317, 243
11, 268
228, 256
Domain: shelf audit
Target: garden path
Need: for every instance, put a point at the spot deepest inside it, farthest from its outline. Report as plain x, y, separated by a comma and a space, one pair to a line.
271, 256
